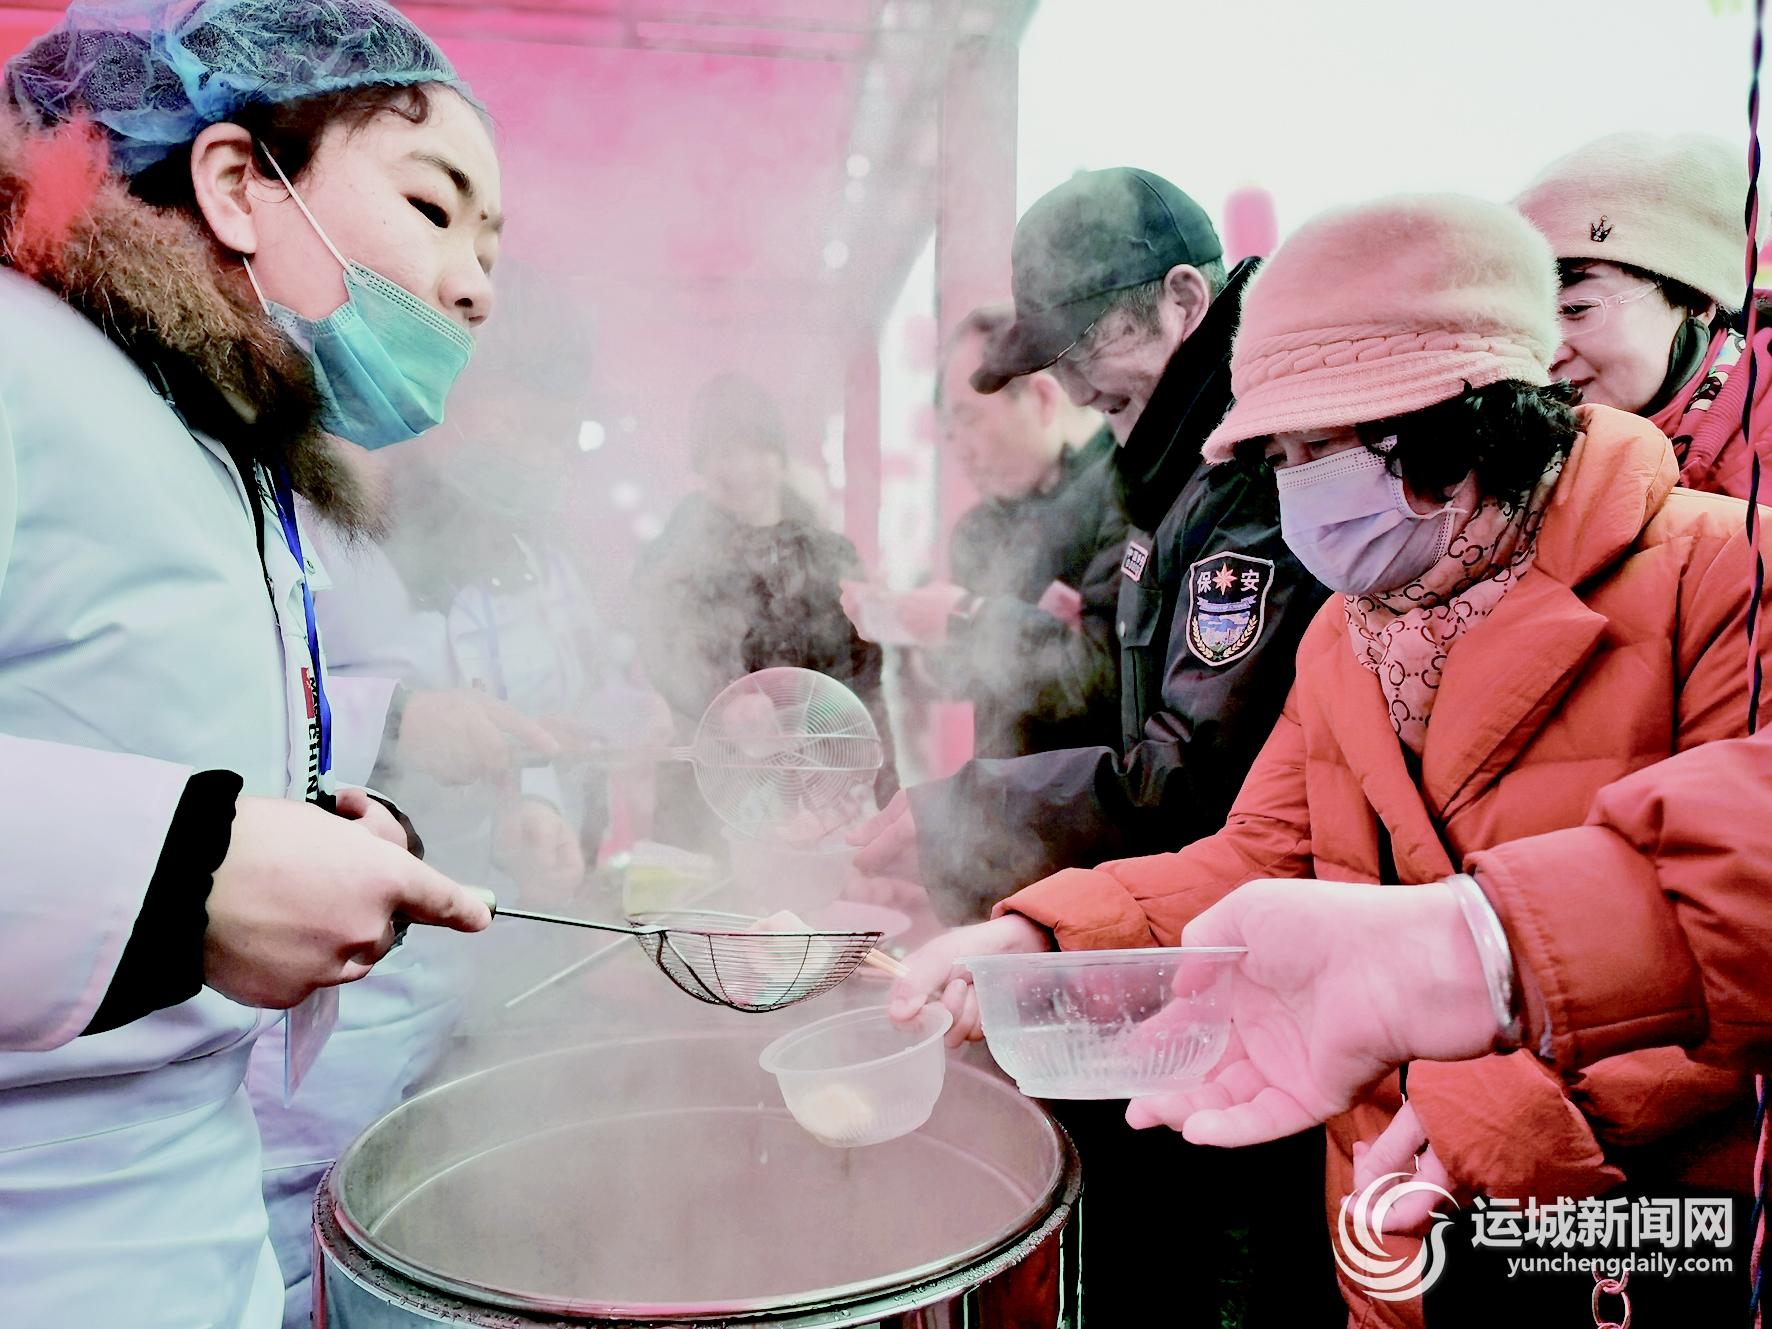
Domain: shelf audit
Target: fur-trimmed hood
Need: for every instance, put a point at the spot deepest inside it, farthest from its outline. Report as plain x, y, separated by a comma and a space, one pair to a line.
155, 282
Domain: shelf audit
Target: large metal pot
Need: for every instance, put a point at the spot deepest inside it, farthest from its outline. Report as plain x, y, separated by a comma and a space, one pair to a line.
660, 1181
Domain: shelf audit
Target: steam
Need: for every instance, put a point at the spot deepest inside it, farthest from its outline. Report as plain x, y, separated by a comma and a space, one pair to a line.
504, 582
562, 493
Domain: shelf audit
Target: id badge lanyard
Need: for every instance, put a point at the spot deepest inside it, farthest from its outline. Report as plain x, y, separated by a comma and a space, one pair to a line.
311, 1021
285, 502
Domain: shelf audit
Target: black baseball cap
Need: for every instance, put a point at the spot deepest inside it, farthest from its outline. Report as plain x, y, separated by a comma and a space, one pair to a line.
1094, 236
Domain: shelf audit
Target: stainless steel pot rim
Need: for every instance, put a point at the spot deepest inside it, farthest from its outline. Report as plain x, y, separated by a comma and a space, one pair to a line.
810, 1300
891, 1301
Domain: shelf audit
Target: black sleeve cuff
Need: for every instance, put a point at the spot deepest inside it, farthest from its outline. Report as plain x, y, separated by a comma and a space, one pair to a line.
162, 963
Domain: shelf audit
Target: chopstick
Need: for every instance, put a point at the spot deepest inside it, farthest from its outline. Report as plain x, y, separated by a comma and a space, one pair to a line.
878, 959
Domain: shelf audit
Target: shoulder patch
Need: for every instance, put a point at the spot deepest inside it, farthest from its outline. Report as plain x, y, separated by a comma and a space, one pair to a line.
1227, 606
1132, 565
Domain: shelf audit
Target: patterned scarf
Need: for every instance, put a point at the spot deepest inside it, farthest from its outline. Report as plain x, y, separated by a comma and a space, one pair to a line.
1681, 418
1404, 636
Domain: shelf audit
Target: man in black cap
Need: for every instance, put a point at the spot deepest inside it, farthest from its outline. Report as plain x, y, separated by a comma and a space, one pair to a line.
1121, 292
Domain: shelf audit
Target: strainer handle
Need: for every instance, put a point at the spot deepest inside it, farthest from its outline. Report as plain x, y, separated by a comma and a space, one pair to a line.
489, 898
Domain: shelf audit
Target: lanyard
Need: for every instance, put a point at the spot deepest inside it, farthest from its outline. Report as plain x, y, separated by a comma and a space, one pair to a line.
285, 500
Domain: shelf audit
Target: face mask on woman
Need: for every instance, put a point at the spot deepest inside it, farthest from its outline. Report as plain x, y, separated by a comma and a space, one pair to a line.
1346, 519
384, 360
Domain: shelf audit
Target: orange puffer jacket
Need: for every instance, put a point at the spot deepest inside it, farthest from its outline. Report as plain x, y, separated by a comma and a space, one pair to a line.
1683, 956
1623, 645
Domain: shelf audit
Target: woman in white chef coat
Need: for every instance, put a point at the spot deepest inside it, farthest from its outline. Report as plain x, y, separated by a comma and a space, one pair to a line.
229, 228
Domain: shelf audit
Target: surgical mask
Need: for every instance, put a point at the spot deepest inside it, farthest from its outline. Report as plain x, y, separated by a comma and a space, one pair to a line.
384, 360
1346, 519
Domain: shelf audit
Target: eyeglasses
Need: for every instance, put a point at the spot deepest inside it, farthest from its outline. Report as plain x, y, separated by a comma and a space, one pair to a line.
1092, 342
1079, 352
1590, 313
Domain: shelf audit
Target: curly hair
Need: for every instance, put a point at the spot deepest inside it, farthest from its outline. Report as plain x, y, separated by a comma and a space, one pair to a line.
1508, 433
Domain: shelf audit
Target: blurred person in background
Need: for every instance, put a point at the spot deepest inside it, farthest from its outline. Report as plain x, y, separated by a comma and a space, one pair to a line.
274, 227
485, 532
521, 628
1121, 293
1650, 240
1530, 613
1025, 632
743, 577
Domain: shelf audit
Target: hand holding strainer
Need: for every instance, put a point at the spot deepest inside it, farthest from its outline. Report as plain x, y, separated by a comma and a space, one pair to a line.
729, 959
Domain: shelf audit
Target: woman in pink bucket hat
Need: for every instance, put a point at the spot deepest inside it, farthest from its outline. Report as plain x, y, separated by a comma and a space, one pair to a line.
1650, 241
1530, 610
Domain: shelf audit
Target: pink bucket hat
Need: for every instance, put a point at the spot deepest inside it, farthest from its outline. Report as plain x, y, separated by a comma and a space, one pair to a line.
1379, 310
1670, 204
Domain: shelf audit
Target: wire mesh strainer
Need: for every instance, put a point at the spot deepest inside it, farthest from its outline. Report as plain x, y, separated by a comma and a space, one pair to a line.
717, 958
786, 754
724, 960
782, 754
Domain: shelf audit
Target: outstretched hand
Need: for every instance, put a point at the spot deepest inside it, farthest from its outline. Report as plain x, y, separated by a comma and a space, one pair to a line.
934, 971
1341, 984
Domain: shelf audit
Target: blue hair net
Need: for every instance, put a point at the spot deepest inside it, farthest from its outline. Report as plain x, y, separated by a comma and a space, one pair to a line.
156, 73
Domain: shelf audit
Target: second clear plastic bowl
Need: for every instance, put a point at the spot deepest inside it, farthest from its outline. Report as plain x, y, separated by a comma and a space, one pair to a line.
877, 616
1105, 1024
856, 1078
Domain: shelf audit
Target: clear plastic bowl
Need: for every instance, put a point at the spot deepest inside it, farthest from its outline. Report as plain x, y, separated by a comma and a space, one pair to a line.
876, 611
857, 1078
769, 877
1105, 1024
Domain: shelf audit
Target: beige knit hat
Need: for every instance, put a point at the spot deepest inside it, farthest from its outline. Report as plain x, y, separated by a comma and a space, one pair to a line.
1671, 204
1375, 311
